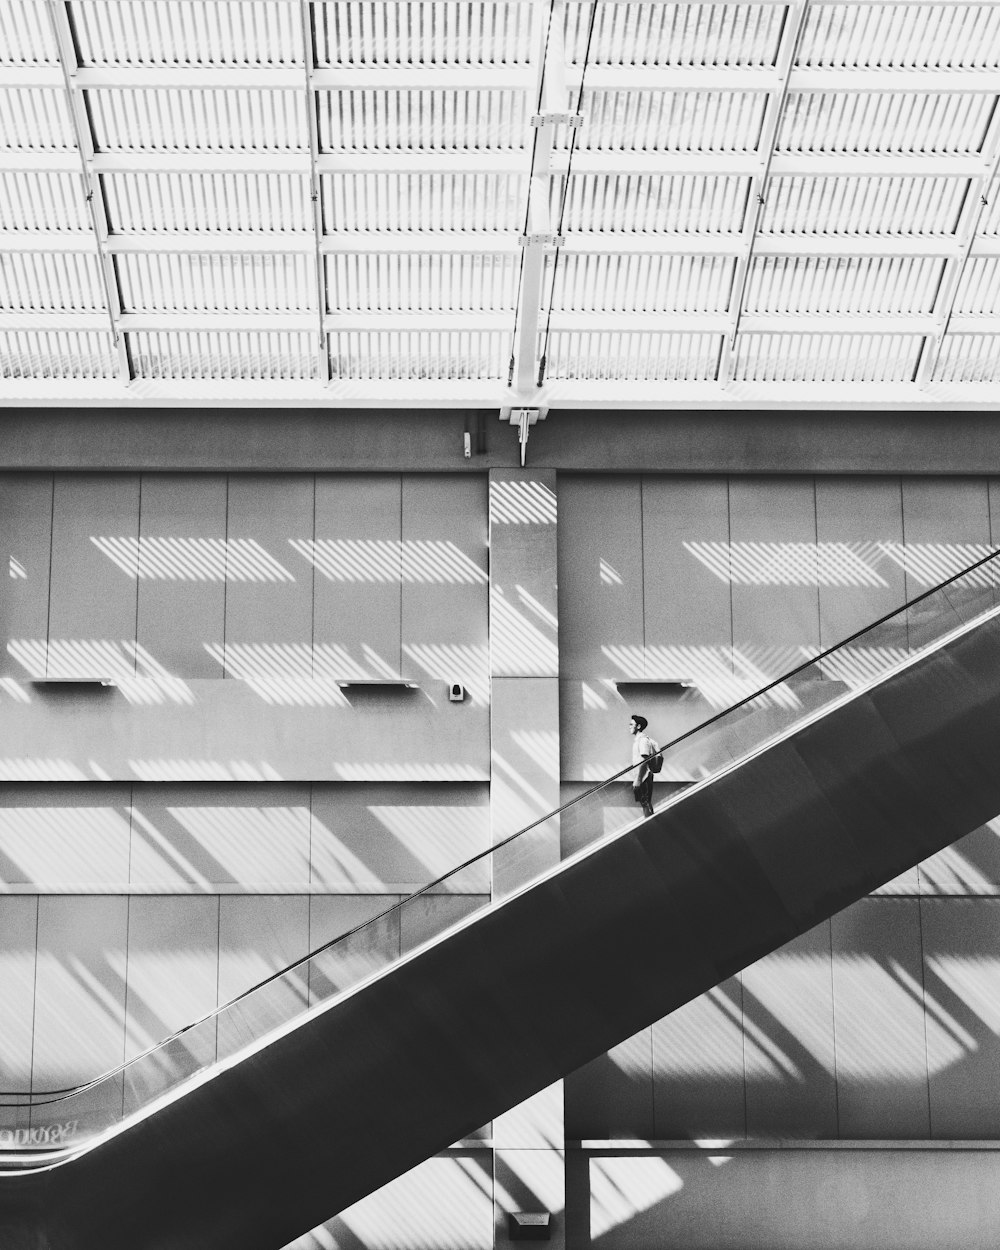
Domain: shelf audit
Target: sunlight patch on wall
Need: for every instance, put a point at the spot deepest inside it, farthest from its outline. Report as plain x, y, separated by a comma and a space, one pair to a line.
519, 645
401, 771
296, 673
11, 687
953, 872
790, 564
704, 1038
163, 986
881, 1023
336, 866
63, 846
623, 1186
13, 768
17, 569
722, 675
392, 561
203, 770
610, 575
139, 676
251, 844
522, 503
975, 979
794, 989
859, 666
931, 563
92, 1035
541, 746
17, 976
440, 837
444, 1204
193, 559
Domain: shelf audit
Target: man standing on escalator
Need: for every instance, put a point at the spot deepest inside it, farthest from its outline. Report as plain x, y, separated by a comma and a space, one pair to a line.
643, 747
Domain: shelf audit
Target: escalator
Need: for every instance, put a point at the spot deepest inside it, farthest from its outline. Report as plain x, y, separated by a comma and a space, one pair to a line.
316, 1087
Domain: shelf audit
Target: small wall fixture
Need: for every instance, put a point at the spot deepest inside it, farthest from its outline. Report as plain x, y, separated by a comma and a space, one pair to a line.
528, 1226
456, 692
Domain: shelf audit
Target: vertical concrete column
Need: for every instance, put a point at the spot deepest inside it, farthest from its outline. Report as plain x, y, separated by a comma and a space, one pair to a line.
529, 1140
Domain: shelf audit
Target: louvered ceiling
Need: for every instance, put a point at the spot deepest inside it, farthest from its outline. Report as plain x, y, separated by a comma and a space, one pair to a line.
502, 202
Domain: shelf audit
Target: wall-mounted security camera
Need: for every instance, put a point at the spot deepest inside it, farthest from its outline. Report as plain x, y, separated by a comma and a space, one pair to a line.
456, 692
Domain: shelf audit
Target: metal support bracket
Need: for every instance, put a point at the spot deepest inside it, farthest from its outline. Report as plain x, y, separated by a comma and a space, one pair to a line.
573, 120
524, 419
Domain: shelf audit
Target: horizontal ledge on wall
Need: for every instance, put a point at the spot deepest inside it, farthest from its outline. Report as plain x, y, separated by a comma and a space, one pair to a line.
377, 683
169, 889
662, 683
75, 682
723, 1145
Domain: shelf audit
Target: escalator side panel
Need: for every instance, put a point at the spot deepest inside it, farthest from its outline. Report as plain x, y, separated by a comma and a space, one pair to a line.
549, 980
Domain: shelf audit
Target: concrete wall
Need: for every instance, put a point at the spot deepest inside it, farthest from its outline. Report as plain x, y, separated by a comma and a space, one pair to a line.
227, 806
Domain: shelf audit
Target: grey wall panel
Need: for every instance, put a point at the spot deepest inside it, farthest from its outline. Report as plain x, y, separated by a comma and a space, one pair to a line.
775, 592
879, 1020
687, 603
600, 578
182, 578
260, 935
685, 555
357, 562
25, 542
445, 613
788, 1040
18, 953
173, 976
395, 839
269, 589
252, 836
524, 627
946, 523
374, 945
93, 599
961, 940
859, 521
698, 1067
64, 838
79, 1025
613, 1096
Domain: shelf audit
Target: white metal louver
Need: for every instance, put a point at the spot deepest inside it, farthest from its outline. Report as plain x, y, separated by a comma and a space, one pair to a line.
497, 202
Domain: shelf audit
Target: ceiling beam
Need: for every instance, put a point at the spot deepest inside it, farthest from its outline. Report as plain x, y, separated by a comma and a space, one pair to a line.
510, 161
315, 189
538, 240
58, 12
488, 242
791, 37
461, 322
976, 200
508, 77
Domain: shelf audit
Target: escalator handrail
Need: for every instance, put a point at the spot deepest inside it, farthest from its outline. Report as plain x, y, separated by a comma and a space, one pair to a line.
32, 1098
